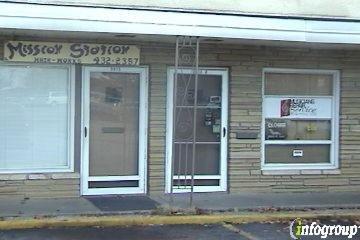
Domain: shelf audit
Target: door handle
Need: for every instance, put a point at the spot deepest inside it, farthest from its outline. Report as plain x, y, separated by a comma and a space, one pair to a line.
85, 131
224, 131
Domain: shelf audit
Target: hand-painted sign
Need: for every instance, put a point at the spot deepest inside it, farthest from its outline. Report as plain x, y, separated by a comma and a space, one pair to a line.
298, 107
71, 53
275, 129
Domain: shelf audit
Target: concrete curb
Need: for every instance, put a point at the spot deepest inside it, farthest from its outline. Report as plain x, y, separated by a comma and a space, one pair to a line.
142, 220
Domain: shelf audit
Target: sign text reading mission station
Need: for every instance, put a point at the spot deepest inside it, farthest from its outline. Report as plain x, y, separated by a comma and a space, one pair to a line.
71, 53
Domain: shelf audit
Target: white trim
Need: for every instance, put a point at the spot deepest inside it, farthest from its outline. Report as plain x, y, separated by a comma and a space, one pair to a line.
334, 142
143, 129
302, 142
218, 143
113, 178
299, 167
84, 122
223, 72
169, 128
198, 177
298, 96
117, 21
110, 191
71, 121
298, 70
292, 9
199, 189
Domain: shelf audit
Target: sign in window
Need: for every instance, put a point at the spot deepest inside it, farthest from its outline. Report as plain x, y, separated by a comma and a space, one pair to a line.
300, 119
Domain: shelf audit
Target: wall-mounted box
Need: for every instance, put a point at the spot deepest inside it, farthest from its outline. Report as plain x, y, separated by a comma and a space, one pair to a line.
247, 134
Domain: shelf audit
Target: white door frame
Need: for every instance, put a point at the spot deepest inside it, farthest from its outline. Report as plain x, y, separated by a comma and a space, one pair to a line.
143, 133
224, 124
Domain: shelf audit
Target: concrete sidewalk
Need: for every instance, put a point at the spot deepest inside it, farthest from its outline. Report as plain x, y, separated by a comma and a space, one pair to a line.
252, 201
105, 205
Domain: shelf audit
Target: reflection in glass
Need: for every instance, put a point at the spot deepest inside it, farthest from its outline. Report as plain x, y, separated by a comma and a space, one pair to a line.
312, 153
207, 122
197, 182
209, 90
297, 129
184, 122
298, 84
114, 124
206, 162
208, 125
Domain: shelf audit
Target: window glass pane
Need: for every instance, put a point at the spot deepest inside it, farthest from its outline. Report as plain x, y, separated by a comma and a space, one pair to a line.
114, 124
208, 126
197, 182
296, 84
314, 153
184, 124
206, 163
209, 90
113, 184
34, 104
296, 129
185, 90
207, 159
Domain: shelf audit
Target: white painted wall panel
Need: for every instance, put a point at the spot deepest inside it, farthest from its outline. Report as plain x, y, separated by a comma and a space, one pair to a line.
308, 8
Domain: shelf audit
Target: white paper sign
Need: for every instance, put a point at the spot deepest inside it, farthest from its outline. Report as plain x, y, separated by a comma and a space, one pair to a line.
297, 107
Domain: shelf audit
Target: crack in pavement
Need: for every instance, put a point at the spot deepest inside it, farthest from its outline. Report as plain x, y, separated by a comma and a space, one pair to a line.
238, 230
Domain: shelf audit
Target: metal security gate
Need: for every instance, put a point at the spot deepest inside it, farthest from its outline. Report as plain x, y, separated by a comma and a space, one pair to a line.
196, 123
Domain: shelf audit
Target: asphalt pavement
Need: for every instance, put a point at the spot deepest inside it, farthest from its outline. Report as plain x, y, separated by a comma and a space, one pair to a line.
248, 231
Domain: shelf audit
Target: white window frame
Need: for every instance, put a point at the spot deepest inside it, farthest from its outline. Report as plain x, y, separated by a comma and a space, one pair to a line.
71, 121
222, 177
142, 175
334, 142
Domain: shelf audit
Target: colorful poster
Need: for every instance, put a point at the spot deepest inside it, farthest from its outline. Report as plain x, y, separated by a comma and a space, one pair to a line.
298, 107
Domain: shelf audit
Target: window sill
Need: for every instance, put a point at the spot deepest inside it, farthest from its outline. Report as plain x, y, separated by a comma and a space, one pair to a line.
67, 169
38, 176
301, 172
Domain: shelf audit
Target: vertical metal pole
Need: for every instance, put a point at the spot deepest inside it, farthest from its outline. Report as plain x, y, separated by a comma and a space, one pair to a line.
186, 163
179, 166
194, 120
174, 112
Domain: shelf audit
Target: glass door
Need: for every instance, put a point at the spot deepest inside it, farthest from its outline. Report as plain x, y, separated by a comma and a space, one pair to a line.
114, 130
210, 141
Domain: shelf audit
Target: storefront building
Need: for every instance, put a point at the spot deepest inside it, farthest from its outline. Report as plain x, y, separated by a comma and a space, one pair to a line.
94, 105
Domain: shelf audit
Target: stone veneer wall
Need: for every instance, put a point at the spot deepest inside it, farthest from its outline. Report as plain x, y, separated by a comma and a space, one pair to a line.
245, 65
39, 185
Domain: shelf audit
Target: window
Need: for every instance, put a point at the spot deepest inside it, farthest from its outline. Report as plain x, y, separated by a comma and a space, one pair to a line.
300, 119
35, 118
